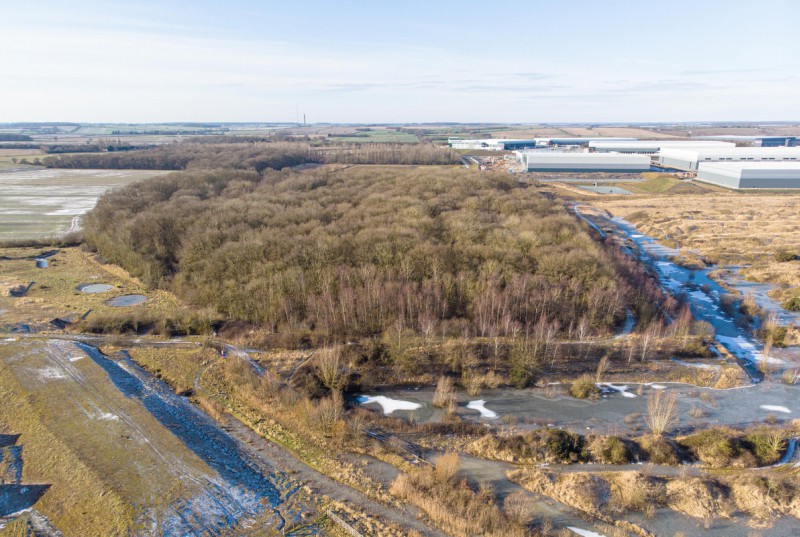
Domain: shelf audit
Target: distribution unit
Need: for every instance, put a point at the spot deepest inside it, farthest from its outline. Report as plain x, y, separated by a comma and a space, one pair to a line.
549, 161
785, 174
651, 147
689, 159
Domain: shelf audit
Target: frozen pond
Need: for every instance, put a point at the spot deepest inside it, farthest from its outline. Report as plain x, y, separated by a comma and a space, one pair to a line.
92, 288
606, 190
620, 410
126, 300
759, 293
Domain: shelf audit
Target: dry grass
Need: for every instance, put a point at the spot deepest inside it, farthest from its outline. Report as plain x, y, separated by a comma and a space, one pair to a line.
445, 395
178, 367
55, 295
699, 498
458, 508
80, 501
724, 227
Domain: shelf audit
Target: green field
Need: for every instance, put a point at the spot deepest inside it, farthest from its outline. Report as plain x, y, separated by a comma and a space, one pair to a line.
379, 136
41, 202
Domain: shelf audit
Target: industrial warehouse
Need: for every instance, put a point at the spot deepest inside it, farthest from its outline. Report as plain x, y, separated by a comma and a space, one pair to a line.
738, 175
510, 144
550, 161
689, 159
651, 147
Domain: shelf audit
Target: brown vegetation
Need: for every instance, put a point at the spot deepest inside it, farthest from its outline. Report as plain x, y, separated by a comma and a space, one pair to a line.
460, 509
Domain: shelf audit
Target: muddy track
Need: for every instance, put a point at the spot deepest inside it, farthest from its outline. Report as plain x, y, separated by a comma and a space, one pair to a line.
321, 484
405, 516
242, 489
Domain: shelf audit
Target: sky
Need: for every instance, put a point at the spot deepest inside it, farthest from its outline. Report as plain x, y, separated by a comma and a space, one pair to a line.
411, 61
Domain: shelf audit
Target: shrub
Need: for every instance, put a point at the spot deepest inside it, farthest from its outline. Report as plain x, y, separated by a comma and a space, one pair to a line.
660, 450
447, 466
520, 507
783, 256
793, 304
445, 396
766, 444
609, 450
661, 412
584, 387
563, 445
717, 447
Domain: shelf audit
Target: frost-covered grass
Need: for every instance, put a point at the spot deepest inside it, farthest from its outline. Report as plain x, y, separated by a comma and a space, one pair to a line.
42, 202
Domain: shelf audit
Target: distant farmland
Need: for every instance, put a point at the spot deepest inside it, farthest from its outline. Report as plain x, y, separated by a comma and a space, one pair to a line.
41, 203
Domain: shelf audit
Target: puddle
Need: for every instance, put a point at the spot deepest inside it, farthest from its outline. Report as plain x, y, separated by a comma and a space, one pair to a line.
126, 300
91, 288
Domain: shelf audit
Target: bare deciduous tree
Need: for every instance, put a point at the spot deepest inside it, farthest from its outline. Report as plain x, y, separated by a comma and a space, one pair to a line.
328, 365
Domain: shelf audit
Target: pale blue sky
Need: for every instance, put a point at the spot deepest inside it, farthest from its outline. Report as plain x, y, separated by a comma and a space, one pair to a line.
408, 61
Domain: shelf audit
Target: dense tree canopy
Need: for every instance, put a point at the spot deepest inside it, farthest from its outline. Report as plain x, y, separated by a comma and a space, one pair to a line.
356, 252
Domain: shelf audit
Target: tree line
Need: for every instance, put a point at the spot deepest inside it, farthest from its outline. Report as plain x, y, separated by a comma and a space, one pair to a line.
256, 156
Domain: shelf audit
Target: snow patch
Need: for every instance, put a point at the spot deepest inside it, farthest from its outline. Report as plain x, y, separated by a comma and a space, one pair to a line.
479, 406
776, 408
584, 533
701, 296
657, 386
51, 373
389, 405
621, 389
746, 350
667, 268
696, 366
102, 416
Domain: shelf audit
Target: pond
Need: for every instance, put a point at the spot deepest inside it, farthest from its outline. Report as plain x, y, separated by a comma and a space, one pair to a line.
126, 300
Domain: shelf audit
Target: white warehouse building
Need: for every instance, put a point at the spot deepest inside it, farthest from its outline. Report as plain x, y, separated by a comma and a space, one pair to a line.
785, 174
651, 147
689, 159
548, 161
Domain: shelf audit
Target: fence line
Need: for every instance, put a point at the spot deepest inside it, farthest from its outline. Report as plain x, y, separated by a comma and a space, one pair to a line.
344, 525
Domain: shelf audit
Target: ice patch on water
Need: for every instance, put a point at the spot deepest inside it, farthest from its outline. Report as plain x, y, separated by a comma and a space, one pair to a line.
388, 404
584, 533
657, 386
701, 296
776, 408
621, 389
479, 406
667, 268
746, 350
696, 366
